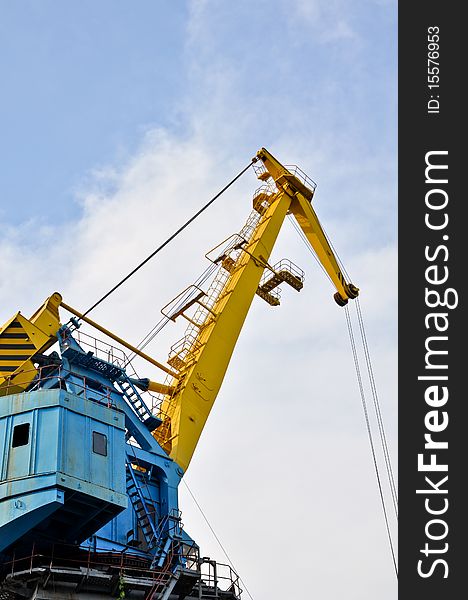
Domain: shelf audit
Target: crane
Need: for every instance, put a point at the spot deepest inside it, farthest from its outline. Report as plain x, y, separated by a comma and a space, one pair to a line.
150, 451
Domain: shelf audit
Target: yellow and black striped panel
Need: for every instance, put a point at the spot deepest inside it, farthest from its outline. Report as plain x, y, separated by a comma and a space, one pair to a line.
20, 340
18, 381
15, 347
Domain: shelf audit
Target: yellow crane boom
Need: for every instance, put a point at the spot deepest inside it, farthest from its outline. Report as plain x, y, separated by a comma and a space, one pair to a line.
200, 360
203, 356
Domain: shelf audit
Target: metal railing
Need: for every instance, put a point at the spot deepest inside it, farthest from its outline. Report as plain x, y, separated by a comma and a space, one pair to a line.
82, 561
91, 556
216, 577
184, 351
49, 378
303, 177
261, 171
78, 564
283, 265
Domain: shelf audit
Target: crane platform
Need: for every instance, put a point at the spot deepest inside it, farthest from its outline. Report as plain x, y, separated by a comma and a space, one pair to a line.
78, 574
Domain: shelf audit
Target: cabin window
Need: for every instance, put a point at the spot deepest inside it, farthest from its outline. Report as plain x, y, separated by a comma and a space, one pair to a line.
99, 443
20, 435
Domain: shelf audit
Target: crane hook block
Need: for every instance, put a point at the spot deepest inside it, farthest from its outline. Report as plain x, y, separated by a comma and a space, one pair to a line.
351, 290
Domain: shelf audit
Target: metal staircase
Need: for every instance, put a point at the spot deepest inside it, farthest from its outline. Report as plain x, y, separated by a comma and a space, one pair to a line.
170, 532
131, 394
163, 586
183, 352
158, 536
145, 518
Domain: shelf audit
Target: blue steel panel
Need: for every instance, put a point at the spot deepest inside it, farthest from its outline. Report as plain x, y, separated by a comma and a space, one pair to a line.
19, 458
46, 434
4, 423
118, 531
74, 455
58, 456
18, 516
101, 467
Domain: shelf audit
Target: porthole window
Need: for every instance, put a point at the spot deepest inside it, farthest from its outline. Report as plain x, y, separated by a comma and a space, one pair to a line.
99, 443
20, 435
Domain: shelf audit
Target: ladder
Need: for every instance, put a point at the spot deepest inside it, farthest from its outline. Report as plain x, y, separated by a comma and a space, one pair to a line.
140, 507
163, 586
131, 394
172, 526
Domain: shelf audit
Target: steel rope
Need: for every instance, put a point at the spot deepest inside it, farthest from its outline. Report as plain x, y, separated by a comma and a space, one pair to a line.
378, 412
375, 398
369, 433
169, 239
216, 537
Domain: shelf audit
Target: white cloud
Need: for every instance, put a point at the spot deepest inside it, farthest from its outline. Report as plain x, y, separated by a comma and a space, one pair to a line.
327, 17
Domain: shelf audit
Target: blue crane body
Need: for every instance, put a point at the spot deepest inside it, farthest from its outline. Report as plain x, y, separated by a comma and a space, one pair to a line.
78, 467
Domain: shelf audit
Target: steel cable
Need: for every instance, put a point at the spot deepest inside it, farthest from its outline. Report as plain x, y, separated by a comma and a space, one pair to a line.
169, 239
216, 537
375, 398
149, 337
369, 433
378, 413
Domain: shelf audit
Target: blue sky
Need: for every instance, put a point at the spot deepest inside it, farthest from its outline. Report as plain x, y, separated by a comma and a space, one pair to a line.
82, 82
118, 120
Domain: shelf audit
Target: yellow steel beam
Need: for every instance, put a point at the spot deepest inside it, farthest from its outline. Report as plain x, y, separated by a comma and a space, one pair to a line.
198, 387
308, 221
186, 410
120, 340
310, 225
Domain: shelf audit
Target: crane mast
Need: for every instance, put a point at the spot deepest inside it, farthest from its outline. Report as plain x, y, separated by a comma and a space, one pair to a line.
202, 357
